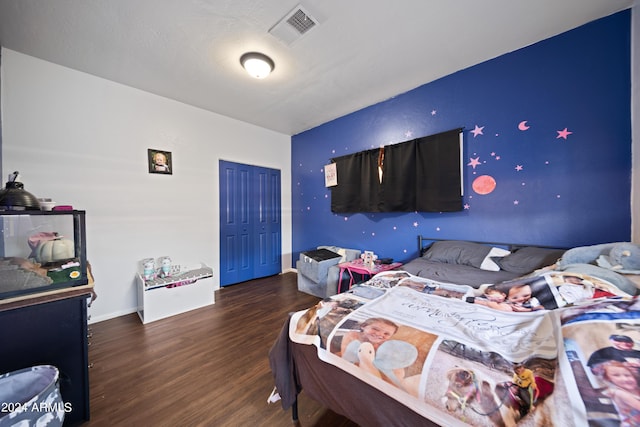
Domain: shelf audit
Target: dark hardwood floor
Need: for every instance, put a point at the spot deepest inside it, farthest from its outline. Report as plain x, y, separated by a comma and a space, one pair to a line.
207, 367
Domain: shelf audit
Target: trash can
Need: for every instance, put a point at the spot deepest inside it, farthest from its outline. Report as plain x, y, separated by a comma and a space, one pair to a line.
31, 396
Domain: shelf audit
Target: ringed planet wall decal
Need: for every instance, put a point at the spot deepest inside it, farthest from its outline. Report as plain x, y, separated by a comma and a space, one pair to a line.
523, 125
484, 184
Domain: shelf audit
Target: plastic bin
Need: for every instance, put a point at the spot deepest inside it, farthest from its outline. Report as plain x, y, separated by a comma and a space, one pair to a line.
31, 396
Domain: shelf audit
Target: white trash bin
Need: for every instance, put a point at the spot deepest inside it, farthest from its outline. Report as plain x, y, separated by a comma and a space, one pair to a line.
30, 397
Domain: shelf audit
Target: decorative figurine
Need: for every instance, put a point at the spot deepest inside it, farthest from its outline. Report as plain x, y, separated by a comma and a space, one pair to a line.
369, 258
149, 269
165, 267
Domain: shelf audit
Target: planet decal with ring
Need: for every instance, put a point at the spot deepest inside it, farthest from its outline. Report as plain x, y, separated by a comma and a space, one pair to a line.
484, 184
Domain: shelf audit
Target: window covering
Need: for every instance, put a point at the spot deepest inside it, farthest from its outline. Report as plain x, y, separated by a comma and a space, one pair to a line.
358, 188
419, 175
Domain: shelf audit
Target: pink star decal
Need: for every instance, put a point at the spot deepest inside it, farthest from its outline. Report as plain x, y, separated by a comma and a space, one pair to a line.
519, 168
433, 112
466, 206
408, 134
515, 202
415, 224
563, 133
477, 131
474, 162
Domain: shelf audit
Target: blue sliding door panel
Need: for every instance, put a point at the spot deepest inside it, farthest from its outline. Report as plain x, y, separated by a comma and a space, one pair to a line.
250, 229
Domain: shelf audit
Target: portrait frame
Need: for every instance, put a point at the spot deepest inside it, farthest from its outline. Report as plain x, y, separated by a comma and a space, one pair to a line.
167, 169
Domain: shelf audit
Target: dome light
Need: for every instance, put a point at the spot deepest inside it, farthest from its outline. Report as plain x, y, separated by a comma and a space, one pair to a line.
257, 64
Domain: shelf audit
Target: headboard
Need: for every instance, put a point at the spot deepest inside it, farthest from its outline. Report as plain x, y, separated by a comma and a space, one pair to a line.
425, 242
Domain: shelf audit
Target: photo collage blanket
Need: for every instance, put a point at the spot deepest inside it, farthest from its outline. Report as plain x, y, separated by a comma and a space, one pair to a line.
554, 348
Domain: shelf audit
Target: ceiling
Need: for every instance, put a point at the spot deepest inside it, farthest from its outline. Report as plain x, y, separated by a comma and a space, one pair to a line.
360, 52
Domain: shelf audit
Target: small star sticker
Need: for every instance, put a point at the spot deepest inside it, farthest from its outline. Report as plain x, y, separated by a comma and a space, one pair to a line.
415, 224
477, 131
466, 206
563, 133
474, 162
433, 112
408, 134
519, 168
515, 202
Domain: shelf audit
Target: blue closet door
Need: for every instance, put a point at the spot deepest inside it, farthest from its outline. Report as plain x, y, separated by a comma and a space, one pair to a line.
267, 229
250, 222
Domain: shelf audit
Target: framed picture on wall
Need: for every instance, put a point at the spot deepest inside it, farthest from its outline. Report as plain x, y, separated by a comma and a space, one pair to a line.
159, 161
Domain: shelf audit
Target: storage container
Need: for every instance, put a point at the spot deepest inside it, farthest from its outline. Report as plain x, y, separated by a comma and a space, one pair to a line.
31, 397
165, 297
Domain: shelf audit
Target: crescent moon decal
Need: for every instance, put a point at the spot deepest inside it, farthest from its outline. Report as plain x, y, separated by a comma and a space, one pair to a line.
523, 125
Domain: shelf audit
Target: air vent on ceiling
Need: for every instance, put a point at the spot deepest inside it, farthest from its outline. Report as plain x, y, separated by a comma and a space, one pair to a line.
301, 21
294, 24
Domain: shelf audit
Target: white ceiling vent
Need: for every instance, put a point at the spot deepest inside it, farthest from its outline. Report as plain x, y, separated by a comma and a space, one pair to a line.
294, 24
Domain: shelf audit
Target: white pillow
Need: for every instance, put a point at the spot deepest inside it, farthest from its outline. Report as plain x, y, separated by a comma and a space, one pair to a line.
488, 264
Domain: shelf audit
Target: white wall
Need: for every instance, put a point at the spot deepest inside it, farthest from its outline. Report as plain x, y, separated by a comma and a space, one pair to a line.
83, 141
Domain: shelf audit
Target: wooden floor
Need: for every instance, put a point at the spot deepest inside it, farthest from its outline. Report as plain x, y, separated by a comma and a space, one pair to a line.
208, 367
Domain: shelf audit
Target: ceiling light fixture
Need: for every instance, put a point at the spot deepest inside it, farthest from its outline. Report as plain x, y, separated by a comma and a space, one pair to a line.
257, 64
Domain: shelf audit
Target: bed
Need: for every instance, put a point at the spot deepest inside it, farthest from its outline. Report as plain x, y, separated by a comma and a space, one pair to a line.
450, 359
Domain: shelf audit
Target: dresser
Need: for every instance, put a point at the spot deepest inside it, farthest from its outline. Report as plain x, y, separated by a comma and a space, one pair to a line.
51, 330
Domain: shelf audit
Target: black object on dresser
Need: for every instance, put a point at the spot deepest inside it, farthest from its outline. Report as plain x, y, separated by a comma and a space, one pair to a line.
51, 333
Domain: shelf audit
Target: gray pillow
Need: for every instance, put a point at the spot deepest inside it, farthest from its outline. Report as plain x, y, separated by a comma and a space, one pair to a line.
457, 252
527, 259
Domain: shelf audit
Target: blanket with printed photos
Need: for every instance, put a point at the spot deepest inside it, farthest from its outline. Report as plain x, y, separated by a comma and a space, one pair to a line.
451, 352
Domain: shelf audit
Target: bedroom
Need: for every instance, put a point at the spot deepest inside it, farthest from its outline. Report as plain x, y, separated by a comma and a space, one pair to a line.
138, 214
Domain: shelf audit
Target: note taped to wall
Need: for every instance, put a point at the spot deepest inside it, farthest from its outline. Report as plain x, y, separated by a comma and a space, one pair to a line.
330, 175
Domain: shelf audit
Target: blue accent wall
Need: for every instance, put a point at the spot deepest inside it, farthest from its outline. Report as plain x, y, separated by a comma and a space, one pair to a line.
546, 150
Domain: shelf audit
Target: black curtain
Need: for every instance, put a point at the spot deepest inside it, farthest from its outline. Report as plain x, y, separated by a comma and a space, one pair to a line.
399, 177
421, 175
438, 179
358, 188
